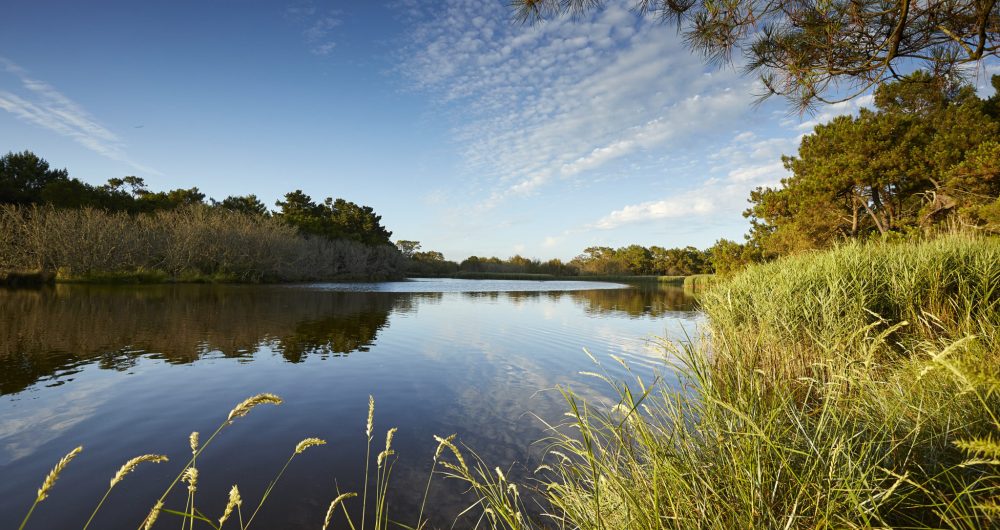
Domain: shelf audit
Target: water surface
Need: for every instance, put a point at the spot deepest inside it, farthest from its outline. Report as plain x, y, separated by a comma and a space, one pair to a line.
130, 370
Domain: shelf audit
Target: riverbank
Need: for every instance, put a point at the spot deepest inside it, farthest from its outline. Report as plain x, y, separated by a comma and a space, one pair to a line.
846, 389
675, 280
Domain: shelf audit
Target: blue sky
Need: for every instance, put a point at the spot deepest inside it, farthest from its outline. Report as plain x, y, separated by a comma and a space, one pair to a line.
463, 130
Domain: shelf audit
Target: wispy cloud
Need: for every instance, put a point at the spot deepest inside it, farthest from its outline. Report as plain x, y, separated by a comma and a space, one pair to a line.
743, 164
319, 25
40, 104
564, 99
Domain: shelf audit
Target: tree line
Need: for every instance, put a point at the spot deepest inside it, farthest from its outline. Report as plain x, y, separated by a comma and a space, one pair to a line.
26, 179
632, 260
123, 231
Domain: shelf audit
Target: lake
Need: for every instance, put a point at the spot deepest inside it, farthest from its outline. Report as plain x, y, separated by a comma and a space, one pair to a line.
129, 370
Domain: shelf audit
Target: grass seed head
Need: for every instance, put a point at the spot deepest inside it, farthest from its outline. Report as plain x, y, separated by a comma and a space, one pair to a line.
53, 475
307, 443
371, 416
193, 439
441, 445
234, 501
191, 477
129, 466
446, 442
153, 515
248, 404
333, 506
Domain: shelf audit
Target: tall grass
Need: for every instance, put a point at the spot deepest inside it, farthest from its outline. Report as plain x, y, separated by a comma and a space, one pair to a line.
855, 388
190, 243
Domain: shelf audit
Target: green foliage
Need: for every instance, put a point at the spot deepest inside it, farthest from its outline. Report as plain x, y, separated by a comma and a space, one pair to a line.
248, 204
637, 260
516, 264
333, 219
855, 388
927, 157
426, 263
808, 53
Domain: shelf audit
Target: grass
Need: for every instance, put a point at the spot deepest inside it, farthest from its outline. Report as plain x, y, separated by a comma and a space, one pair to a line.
854, 388
697, 283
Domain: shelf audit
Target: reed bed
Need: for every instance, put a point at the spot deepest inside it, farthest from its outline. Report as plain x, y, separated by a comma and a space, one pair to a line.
195, 243
856, 388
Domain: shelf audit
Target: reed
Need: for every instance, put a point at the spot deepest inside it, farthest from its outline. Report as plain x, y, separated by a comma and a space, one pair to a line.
854, 388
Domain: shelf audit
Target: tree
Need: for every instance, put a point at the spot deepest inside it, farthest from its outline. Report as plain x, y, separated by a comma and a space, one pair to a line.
248, 204
899, 168
333, 219
23, 177
812, 51
407, 248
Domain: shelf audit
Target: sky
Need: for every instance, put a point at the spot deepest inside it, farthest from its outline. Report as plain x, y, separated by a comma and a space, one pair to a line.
466, 131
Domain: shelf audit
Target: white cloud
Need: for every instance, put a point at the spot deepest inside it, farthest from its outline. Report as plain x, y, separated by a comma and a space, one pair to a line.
40, 104
319, 26
562, 99
745, 163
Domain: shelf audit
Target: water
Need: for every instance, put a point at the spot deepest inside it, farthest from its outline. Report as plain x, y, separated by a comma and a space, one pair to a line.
125, 371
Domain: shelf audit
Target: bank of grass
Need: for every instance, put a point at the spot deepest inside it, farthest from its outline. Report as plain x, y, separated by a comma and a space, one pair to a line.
854, 388
698, 283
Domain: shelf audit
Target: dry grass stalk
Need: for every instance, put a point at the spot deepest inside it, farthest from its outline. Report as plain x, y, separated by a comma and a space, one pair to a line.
234, 501
130, 466
53, 475
307, 443
248, 404
333, 506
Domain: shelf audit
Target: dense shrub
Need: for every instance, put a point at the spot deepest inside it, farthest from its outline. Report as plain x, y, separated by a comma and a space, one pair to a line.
193, 242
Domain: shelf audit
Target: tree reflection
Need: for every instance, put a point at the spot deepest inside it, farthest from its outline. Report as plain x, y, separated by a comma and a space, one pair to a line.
47, 334
642, 300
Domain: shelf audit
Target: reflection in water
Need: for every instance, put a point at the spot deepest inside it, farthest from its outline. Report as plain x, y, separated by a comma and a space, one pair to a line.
47, 333
135, 368
649, 300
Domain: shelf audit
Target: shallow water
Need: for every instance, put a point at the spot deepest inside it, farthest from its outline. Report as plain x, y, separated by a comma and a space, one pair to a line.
130, 370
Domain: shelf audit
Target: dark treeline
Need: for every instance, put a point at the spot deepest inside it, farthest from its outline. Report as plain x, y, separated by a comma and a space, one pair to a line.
633, 260
926, 160
51, 221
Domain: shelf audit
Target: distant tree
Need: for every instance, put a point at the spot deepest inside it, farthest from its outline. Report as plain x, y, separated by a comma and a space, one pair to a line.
23, 177
248, 204
812, 51
407, 248
728, 256
429, 256
334, 219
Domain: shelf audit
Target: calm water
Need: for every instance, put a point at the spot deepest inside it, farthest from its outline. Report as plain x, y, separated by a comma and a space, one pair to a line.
130, 370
